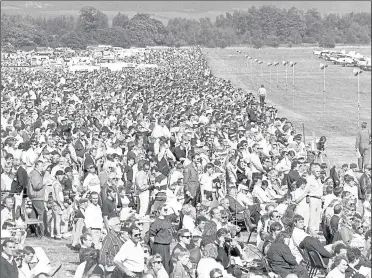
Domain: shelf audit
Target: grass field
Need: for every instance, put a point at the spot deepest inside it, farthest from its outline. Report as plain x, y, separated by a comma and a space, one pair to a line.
338, 121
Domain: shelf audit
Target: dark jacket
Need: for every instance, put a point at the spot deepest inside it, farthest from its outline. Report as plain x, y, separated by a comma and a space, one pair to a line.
191, 179
292, 176
20, 181
281, 259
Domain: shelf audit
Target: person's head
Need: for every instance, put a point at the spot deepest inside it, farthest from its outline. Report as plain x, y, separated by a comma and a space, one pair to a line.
200, 222
353, 255
39, 166
134, 233
9, 202
358, 227
347, 219
182, 256
337, 209
222, 234
8, 247
225, 203
364, 125
60, 175
210, 251
184, 236
275, 229
18, 257
94, 197
28, 254
341, 263
339, 249
111, 193
209, 168
216, 213
215, 273
329, 189
315, 169
274, 215
86, 240
163, 210
283, 237
69, 173
155, 262
298, 221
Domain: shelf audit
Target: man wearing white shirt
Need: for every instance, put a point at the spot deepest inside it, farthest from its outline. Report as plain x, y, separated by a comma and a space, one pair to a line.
315, 195
94, 219
255, 159
130, 260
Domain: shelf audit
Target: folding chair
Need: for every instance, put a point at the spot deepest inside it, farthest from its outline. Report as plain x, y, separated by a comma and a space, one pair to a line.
268, 269
316, 263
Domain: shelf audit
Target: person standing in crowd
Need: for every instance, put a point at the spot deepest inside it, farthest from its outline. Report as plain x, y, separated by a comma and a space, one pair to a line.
36, 192
315, 198
94, 219
142, 182
58, 206
130, 260
161, 236
363, 146
262, 94
191, 179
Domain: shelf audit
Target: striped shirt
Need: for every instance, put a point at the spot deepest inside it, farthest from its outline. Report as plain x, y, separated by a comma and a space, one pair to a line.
110, 247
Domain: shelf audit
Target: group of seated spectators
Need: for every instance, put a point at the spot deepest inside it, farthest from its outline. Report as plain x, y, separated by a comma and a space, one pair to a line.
167, 172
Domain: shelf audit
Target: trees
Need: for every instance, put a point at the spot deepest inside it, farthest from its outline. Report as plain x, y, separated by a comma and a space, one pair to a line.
267, 25
120, 20
91, 20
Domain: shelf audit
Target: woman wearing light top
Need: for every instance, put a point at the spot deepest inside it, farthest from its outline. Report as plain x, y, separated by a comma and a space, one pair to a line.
299, 198
208, 262
91, 182
340, 264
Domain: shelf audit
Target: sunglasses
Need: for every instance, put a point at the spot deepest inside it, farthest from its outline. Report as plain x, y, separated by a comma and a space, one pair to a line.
187, 237
137, 235
139, 224
218, 276
146, 251
157, 262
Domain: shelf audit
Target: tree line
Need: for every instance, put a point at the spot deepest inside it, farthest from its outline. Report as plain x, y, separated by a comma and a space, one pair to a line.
258, 27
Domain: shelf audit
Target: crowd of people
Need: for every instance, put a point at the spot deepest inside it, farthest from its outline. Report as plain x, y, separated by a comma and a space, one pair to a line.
166, 172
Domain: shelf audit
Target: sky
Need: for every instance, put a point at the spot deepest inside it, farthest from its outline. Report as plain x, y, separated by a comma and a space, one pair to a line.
184, 6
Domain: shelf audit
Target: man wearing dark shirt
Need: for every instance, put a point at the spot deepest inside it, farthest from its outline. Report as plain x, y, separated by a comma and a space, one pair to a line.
109, 206
335, 219
67, 180
20, 182
293, 175
226, 249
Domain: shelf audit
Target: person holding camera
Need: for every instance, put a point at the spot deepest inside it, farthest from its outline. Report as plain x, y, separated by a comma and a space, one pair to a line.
227, 248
